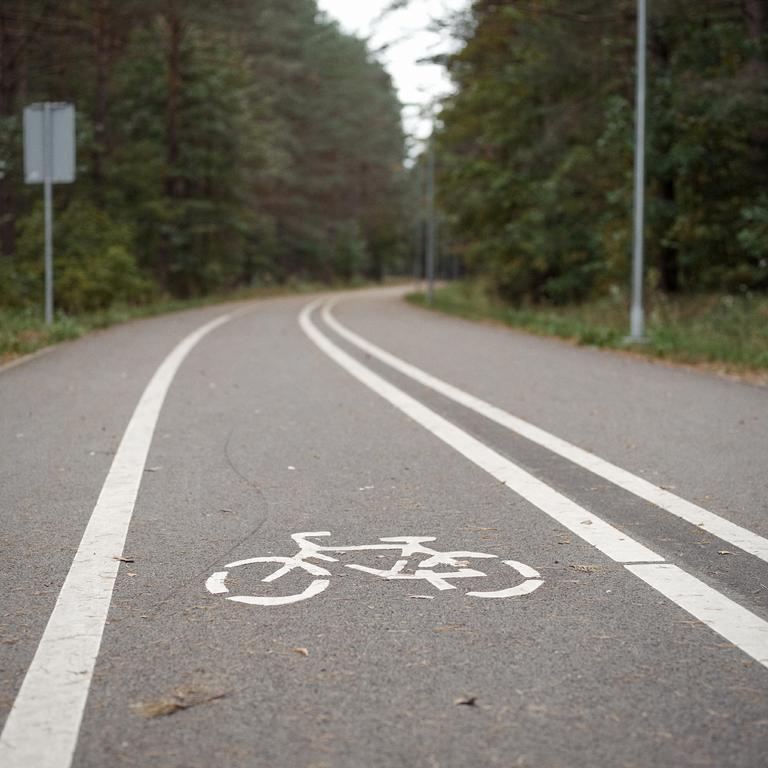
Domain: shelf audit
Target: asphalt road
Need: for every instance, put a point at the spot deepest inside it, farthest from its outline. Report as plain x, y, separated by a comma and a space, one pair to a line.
627, 620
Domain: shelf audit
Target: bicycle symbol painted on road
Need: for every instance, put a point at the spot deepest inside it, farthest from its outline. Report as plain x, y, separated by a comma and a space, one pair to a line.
454, 565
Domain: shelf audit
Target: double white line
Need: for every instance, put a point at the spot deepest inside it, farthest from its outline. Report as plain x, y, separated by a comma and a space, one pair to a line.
736, 624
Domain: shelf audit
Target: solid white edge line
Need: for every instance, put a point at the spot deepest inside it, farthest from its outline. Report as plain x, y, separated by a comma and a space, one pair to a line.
737, 624
692, 513
43, 725
594, 530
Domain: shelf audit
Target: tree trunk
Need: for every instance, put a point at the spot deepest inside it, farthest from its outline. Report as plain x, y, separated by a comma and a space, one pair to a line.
756, 21
12, 86
175, 35
101, 44
756, 18
669, 261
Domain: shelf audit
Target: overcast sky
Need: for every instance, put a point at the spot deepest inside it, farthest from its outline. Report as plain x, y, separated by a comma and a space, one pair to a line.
408, 34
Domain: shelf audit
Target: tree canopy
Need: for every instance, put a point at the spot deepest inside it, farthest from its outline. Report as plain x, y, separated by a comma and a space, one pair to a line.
219, 143
536, 145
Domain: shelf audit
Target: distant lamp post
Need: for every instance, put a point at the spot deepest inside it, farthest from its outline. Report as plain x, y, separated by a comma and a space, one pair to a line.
637, 313
431, 224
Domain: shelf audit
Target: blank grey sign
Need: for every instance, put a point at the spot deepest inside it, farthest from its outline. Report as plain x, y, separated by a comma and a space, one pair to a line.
61, 140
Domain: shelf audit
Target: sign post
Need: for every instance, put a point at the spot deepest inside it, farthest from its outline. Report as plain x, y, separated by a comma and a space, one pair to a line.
49, 158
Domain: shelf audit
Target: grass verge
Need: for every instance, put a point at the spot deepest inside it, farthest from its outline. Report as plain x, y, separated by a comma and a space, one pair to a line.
728, 334
22, 331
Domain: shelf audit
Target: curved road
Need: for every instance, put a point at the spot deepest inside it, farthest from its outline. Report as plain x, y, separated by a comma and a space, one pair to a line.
618, 615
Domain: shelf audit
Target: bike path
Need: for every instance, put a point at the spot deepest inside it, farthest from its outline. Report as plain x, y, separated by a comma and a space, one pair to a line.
261, 437
717, 560
593, 668
63, 416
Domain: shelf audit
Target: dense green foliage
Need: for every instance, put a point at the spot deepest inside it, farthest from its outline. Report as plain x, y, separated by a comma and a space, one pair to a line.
220, 144
536, 146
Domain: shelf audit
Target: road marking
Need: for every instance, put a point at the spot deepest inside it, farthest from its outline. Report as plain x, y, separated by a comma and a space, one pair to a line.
737, 624
584, 524
692, 513
409, 546
43, 724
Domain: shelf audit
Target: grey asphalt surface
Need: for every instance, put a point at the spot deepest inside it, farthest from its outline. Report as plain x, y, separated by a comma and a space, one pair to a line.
263, 436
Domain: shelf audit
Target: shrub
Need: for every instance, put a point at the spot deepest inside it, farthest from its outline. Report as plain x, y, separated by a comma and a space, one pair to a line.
94, 265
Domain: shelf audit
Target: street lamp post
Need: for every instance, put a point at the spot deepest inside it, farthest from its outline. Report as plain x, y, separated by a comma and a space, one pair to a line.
637, 313
431, 227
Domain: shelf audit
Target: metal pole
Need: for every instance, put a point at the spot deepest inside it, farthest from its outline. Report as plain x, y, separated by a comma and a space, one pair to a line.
431, 229
48, 199
637, 314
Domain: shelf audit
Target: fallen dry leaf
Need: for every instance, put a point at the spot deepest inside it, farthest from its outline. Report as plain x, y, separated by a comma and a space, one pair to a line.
724, 552
585, 568
466, 701
452, 628
181, 698
301, 651
124, 559
422, 597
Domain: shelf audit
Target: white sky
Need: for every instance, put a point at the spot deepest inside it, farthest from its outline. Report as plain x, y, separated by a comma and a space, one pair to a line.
408, 34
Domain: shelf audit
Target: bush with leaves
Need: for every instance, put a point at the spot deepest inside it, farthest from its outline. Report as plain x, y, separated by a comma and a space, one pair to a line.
94, 265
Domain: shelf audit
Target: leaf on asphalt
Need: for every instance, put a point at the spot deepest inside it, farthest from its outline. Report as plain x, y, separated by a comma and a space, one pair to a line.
422, 597
152, 469
466, 701
123, 559
452, 628
585, 568
724, 552
301, 651
181, 698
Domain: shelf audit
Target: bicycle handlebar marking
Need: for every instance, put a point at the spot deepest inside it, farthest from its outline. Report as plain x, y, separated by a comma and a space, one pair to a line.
408, 546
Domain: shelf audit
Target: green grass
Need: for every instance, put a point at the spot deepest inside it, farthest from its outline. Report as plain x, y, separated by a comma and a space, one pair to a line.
730, 332
23, 331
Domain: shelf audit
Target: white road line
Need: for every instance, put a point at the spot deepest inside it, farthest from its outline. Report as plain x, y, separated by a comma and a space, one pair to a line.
43, 724
692, 513
738, 625
584, 524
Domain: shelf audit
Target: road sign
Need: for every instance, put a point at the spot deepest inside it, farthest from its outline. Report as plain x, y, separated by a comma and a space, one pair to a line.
60, 142
49, 158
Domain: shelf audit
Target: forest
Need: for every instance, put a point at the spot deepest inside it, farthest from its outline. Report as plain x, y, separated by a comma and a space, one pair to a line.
536, 147
245, 143
220, 144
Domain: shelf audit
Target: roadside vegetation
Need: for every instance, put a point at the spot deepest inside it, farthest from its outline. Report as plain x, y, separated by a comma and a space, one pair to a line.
536, 148
535, 152
727, 332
